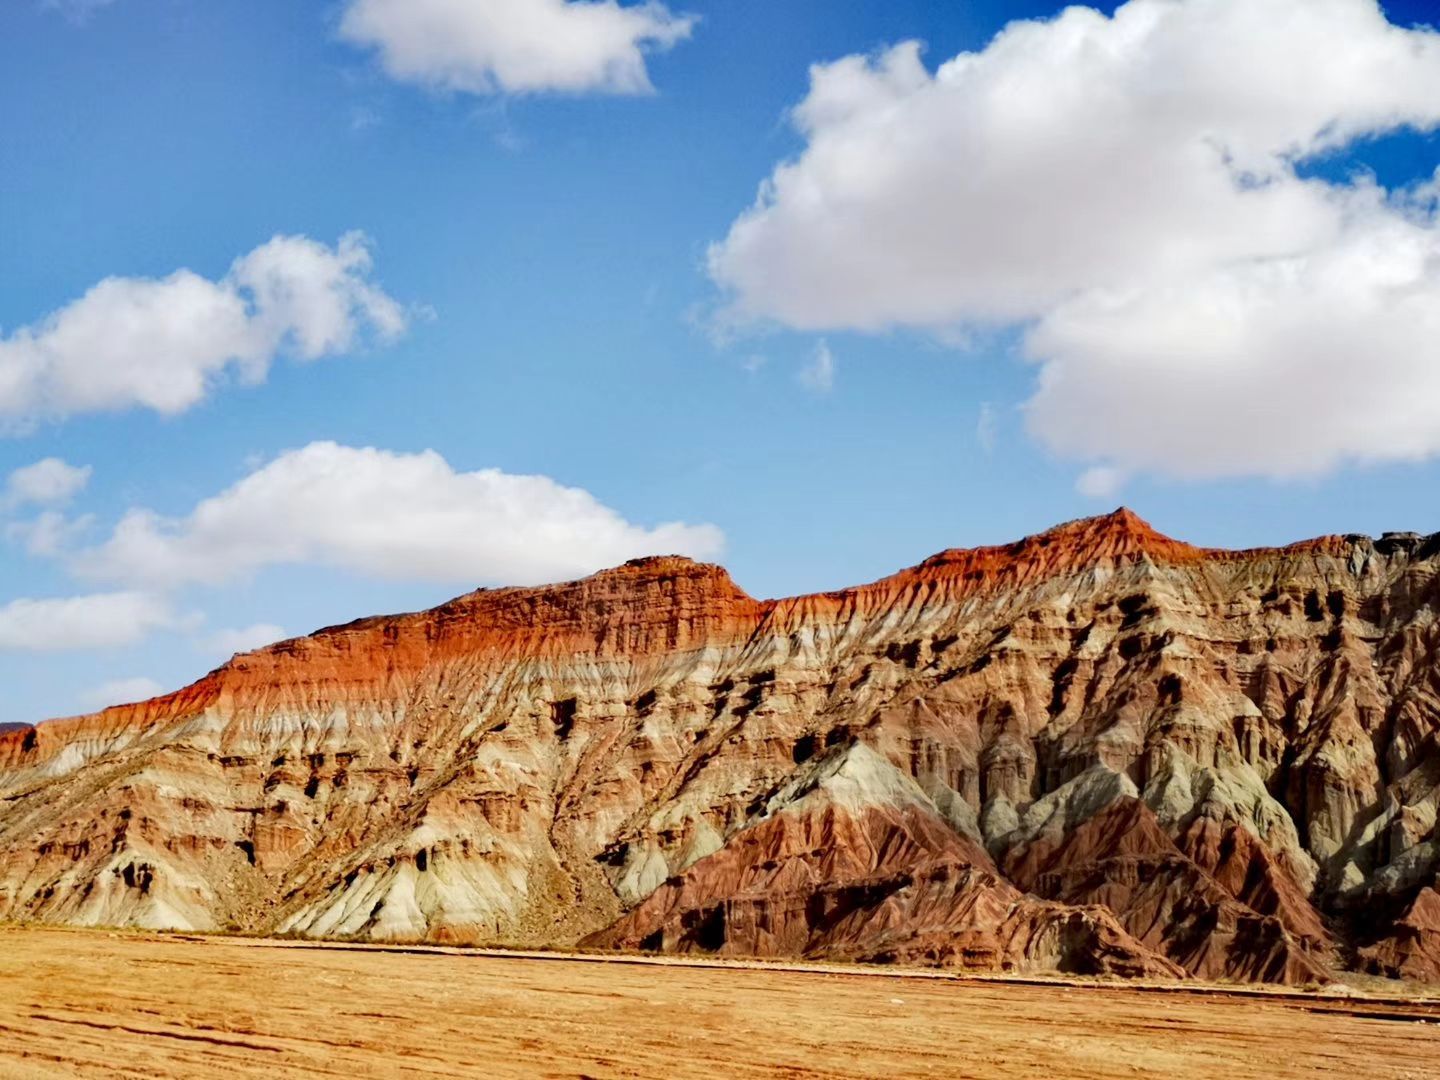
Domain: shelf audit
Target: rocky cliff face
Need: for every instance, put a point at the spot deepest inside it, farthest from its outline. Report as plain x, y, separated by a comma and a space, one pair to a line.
1097, 749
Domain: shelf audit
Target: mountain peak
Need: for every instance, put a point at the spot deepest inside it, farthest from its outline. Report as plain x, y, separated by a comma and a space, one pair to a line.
655, 578
1124, 517
1120, 532
656, 566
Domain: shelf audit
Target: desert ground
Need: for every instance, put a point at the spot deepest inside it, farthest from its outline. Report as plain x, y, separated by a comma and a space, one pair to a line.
96, 1003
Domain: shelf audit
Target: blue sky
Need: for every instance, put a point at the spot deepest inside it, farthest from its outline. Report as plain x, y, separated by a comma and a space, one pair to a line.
562, 319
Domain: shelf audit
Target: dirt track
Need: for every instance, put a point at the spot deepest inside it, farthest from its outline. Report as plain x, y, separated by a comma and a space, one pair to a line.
88, 1003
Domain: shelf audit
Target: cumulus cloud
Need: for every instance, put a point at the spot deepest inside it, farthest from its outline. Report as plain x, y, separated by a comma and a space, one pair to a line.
47, 482
1288, 366
163, 344
1126, 189
819, 374
49, 533
98, 621
244, 638
121, 692
393, 515
516, 46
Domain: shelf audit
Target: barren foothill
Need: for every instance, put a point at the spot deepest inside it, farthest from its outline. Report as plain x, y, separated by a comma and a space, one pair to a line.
97, 1003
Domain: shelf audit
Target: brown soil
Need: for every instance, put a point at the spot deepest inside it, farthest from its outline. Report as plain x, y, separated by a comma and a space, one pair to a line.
92, 1003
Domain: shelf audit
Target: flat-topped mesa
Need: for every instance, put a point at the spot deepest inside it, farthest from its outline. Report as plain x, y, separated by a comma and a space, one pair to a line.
648, 606
653, 604
657, 603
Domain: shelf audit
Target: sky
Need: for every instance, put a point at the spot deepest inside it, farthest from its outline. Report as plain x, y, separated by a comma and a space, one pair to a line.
310, 311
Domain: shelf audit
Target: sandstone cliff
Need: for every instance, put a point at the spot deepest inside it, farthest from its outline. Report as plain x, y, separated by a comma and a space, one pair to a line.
1096, 749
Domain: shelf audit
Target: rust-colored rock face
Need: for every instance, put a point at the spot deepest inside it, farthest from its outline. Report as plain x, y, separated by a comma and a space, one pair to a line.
1094, 750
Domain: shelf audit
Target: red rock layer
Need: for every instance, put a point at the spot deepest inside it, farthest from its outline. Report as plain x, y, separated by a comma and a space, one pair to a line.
648, 606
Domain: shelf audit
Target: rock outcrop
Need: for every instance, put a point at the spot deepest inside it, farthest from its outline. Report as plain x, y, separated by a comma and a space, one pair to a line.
1094, 750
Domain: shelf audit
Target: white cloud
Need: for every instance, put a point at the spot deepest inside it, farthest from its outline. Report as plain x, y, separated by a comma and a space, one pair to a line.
121, 692
244, 639
516, 46
1126, 189
363, 118
98, 621
819, 374
1100, 481
163, 344
49, 533
1288, 367
48, 481
394, 515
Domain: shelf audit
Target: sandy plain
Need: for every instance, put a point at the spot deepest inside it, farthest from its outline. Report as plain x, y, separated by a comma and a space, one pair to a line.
96, 1003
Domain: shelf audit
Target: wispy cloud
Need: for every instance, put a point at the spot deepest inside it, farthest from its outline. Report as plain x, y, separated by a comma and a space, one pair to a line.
121, 692
1100, 481
986, 427
243, 639
97, 621
48, 482
818, 376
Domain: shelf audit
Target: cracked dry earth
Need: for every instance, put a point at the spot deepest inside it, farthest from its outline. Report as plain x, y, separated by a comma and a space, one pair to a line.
80, 1003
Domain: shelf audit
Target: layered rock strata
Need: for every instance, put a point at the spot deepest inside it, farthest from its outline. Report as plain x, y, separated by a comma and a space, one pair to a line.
1094, 750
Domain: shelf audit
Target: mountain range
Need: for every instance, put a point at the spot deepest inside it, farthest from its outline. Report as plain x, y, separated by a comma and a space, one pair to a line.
1095, 750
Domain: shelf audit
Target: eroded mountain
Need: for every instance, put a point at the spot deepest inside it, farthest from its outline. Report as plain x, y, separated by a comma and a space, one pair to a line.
1094, 750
